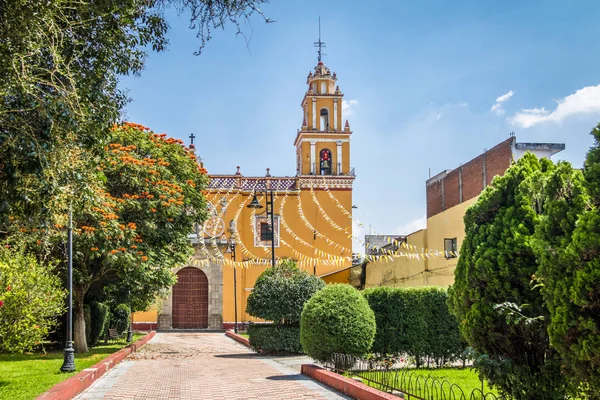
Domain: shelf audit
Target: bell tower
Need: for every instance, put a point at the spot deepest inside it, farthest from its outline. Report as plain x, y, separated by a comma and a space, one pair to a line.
322, 144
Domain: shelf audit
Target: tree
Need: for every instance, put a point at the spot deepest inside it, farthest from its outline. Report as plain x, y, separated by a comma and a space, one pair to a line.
502, 316
31, 297
280, 293
568, 248
135, 228
60, 64
337, 319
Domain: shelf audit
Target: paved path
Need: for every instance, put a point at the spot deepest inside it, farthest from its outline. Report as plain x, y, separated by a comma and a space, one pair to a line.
203, 366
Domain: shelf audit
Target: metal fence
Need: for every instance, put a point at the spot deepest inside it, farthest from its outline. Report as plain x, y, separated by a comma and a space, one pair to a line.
409, 383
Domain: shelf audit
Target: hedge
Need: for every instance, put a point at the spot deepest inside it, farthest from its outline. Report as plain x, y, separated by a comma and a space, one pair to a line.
273, 338
337, 319
416, 322
120, 318
100, 319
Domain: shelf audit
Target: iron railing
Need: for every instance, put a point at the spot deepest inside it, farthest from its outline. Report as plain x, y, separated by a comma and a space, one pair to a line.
407, 383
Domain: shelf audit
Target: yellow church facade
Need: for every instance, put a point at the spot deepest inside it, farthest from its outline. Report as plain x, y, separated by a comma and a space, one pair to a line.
312, 221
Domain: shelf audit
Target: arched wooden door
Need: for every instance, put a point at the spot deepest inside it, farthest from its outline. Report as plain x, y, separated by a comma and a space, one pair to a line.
190, 299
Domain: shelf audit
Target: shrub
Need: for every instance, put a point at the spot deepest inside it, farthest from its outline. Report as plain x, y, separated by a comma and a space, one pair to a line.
120, 318
273, 338
88, 321
100, 318
416, 322
31, 297
280, 293
337, 319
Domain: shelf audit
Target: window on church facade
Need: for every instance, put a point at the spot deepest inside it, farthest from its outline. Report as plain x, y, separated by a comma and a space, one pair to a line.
325, 162
263, 232
323, 88
324, 119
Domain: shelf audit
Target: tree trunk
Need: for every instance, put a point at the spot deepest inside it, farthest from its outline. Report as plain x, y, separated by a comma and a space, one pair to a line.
79, 336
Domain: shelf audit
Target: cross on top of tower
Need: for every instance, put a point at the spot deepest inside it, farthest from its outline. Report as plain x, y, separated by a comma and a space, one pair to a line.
320, 44
192, 137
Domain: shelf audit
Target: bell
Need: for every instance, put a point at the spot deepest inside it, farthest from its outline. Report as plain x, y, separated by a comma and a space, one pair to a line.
254, 203
325, 164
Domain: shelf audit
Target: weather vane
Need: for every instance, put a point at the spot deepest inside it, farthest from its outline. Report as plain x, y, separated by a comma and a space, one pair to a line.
320, 44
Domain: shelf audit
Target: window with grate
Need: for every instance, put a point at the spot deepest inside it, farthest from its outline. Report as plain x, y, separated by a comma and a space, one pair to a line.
450, 248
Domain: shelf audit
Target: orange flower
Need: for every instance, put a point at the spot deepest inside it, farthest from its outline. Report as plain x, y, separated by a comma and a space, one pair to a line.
144, 258
133, 246
153, 210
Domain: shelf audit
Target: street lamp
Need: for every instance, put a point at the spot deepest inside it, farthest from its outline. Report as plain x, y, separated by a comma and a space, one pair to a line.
130, 331
69, 360
256, 205
231, 250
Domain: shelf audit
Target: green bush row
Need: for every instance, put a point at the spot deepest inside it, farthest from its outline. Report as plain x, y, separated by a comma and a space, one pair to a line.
416, 322
273, 338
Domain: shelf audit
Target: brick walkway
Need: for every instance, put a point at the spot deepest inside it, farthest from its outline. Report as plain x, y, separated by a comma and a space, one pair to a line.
202, 366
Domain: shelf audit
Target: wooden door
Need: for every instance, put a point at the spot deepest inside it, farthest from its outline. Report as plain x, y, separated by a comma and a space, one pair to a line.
190, 299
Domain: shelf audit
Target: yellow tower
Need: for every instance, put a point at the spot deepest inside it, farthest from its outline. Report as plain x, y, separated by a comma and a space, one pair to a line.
322, 145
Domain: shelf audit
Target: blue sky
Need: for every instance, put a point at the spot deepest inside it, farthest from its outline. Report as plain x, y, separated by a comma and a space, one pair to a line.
429, 85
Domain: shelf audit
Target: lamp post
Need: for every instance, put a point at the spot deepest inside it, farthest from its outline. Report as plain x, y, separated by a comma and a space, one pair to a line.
130, 331
269, 201
69, 360
231, 250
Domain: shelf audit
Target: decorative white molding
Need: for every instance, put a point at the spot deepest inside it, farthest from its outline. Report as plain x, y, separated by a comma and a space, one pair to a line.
314, 112
258, 219
339, 157
313, 155
335, 113
331, 182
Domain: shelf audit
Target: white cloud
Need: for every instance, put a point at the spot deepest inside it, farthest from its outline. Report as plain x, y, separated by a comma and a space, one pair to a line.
497, 108
504, 97
583, 101
348, 107
413, 226
438, 117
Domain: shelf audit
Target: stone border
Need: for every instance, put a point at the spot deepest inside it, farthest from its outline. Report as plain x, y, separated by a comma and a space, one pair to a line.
352, 388
238, 338
76, 384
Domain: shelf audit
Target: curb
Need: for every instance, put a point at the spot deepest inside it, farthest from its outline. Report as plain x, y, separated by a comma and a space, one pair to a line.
76, 384
345, 385
238, 338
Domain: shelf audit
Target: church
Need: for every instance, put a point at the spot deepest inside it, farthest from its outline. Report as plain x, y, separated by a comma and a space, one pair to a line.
255, 221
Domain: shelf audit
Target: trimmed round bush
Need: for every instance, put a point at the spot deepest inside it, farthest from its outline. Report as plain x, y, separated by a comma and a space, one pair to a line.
337, 319
280, 293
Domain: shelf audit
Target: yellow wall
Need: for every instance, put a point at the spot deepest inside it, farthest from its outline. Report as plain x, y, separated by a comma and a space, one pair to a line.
448, 224
433, 271
149, 315
400, 271
293, 248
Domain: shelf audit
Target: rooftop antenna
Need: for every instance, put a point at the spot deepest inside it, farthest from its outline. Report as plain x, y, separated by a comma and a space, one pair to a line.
320, 44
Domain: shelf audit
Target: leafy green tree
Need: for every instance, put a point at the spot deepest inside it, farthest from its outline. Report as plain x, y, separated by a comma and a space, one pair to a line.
135, 227
337, 319
60, 65
280, 293
568, 249
31, 298
501, 315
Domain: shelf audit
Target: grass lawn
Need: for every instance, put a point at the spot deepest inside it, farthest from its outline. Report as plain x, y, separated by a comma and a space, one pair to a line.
467, 379
26, 376
244, 335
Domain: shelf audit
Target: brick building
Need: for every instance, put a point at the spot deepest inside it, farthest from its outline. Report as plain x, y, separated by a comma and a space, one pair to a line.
448, 195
